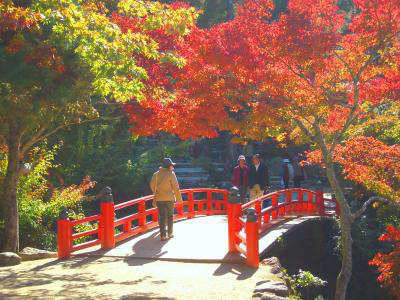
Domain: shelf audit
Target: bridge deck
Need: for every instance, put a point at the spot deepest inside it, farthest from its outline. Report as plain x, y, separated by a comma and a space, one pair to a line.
203, 239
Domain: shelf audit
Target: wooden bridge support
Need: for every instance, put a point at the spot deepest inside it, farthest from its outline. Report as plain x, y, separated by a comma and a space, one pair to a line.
107, 228
233, 212
64, 236
252, 237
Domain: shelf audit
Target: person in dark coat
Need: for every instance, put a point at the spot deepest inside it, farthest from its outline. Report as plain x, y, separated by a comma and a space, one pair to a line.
258, 178
240, 177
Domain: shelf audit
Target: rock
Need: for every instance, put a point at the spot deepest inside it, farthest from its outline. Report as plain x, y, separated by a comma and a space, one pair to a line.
269, 296
29, 253
9, 259
274, 264
273, 287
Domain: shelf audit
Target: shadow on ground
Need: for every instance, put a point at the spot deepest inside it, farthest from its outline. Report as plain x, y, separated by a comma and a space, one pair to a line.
241, 270
35, 283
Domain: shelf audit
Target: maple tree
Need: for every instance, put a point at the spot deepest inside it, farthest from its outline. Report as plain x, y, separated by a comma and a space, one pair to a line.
60, 62
389, 264
317, 74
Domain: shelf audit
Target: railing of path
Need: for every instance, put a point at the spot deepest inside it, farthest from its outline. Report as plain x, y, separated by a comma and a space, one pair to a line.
246, 222
139, 217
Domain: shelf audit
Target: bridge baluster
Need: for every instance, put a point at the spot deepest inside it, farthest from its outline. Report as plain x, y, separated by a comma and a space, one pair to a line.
142, 215
191, 205
225, 201
274, 204
288, 206
258, 210
266, 217
252, 237
299, 205
209, 204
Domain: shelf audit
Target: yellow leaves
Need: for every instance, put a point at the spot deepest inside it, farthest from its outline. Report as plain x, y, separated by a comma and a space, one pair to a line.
281, 137
157, 15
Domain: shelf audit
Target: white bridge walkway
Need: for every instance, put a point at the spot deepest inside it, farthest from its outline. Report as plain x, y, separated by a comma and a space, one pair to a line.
201, 239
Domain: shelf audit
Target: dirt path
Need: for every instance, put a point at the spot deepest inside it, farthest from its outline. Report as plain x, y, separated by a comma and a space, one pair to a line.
116, 278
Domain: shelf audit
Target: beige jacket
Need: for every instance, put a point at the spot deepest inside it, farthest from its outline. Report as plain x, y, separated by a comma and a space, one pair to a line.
165, 186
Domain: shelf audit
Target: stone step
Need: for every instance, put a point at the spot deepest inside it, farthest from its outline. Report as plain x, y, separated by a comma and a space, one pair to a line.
188, 170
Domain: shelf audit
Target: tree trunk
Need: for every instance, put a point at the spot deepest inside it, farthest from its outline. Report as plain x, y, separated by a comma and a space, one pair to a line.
11, 231
345, 235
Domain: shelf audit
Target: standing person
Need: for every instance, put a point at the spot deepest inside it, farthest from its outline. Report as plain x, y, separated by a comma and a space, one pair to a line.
240, 177
258, 178
298, 172
166, 191
287, 173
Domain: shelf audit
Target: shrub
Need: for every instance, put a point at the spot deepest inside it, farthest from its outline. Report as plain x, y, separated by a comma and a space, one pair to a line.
39, 207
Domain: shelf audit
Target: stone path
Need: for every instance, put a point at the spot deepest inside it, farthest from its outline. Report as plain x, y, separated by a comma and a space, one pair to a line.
126, 272
130, 278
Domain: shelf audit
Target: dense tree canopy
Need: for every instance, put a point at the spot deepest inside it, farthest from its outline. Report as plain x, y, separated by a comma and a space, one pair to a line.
314, 75
60, 59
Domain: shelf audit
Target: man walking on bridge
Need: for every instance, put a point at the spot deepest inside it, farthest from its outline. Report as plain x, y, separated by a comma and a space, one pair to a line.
166, 191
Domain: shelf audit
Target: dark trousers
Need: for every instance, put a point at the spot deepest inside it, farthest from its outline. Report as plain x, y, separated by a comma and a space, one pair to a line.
243, 192
165, 215
297, 181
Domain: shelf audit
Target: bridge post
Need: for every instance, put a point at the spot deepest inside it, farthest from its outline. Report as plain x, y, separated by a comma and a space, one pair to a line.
252, 238
288, 207
233, 211
64, 236
320, 203
190, 205
274, 204
258, 210
209, 203
300, 203
107, 212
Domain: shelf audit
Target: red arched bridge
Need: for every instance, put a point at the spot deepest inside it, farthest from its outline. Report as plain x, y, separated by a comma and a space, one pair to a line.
228, 231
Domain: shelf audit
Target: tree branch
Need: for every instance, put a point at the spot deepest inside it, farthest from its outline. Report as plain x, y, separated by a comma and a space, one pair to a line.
38, 138
305, 130
358, 213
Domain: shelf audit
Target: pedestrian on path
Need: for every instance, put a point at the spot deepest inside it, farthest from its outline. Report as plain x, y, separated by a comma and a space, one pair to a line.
287, 173
258, 178
240, 177
299, 175
166, 191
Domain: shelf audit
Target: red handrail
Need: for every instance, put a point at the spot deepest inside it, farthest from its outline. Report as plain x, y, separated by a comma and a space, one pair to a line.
243, 234
108, 223
307, 202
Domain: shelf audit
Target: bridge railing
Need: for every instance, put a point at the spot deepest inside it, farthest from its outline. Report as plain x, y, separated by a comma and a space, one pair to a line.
246, 222
121, 221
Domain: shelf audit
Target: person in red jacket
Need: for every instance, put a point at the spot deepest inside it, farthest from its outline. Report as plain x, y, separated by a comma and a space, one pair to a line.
240, 177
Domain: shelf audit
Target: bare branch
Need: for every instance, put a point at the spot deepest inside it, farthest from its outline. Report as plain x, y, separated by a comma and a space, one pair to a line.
371, 200
345, 64
305, 130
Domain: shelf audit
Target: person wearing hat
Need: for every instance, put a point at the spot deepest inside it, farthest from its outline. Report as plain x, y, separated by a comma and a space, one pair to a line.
240, 177
166, 191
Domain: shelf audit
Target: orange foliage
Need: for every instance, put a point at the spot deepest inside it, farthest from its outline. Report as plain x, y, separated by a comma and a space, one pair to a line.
389, 264
369, 162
